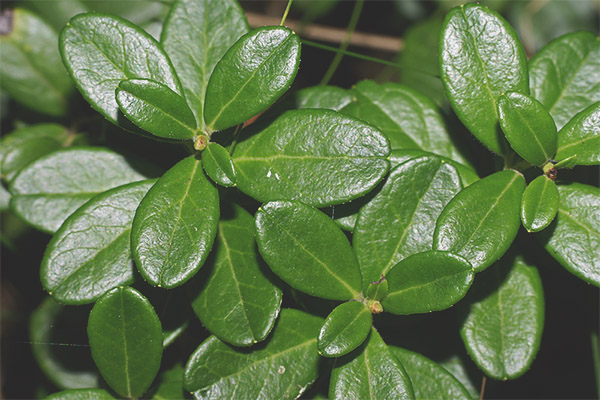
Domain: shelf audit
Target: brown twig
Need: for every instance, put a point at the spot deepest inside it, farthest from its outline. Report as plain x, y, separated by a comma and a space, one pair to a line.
482, 387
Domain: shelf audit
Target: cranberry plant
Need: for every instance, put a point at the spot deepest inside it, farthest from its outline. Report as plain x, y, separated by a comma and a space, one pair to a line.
361, 197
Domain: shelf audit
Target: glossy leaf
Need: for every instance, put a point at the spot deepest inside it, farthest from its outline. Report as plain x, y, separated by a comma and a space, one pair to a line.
47, 191
429, 379
378, 290
481, 58
25, 145
345, 328
306, 249
237, 302
100, 51
539, 204
195, 35
175, 225
282, 369
404, 212
32, 72
126, 340
481, 221
370, 372
529, 128
81, 394
156, 108
574, 237
328, 97
580, 137
251, 76
409, 119
317, 156
59, 362
507, 299
428, 281
91, 253
218, 165
170, 385
565, 75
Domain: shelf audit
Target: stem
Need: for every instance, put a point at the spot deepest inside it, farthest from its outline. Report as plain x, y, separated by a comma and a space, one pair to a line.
285, 13
344, 45
236, 134
596, 358
482, 388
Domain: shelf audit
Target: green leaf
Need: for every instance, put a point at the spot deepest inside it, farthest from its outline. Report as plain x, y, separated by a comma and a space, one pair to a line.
32, 72
171, 384
409, 119
565, 75
481, 58
378, 290
4, 198
428, 281
404, 212
101, 50
237, 302
251, 76
126, 340
156, 108
429, 379
457, 366
370, 372
580, 137
539, 204
81, 394
195, 35
25, 145
481, 221
218, 165
91, 251
574, 237
281, 369
57, 362
306, 249
175, 225
328, 97
506, 299
529, 128
345, 328
50, 189
317, 156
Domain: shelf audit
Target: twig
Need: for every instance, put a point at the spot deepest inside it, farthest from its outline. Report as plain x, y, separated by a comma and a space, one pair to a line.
482, 388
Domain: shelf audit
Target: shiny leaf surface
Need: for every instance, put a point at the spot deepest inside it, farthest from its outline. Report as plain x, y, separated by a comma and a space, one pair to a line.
317, 156
539, 204
580, 137
345, 328
126, 340
481, 57
218, 165
306, 249
91, 251
175, 225
481, 221
81, 394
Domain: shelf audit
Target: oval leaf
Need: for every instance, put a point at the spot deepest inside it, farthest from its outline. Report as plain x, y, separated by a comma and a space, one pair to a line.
481, 221
253, 73
580, 138
539, 204
481, 58
218, 165
370, 372
404, 214
126, 340
175, 225
345, 328
565, 75
282, 369
328, 97
429, 379
195, 52
507, 299
91, 251
81, 394
237, 302
47, 191
156, 108
101, 50
529, 128
574, 237
306, 249
32, 72
317, 156
428, 281
409, 119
